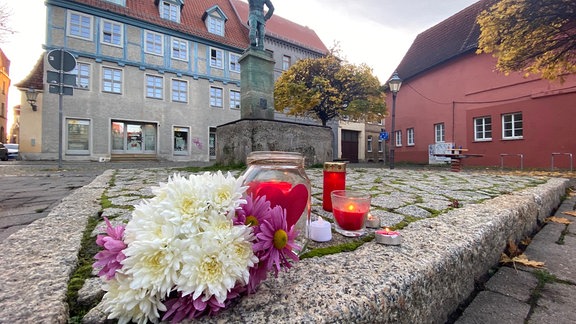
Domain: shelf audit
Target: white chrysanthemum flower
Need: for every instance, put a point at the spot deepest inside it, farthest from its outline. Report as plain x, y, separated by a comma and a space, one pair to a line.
127, 304
225, 192
149, 223
212, 267
153, 265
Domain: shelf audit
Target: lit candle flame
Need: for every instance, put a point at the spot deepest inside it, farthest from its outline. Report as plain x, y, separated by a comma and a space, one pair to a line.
351, 207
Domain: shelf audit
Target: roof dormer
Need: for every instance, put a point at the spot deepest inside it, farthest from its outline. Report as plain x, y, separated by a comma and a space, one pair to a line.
170, 9
215, 20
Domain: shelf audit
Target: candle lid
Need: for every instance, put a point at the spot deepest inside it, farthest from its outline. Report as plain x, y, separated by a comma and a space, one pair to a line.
335, 166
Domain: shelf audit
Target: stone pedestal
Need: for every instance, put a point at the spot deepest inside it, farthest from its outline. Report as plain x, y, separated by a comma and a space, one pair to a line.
257, 80
238, 138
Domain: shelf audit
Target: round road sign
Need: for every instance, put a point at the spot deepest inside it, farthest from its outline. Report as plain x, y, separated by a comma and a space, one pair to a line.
61, 60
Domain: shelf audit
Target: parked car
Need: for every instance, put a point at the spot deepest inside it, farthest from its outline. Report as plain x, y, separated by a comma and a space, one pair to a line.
3, 152
12, 150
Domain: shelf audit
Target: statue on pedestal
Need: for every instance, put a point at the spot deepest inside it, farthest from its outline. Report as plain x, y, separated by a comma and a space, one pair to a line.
257, 21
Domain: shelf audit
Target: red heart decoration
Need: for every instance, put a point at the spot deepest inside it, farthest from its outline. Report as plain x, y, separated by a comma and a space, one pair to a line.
293, 200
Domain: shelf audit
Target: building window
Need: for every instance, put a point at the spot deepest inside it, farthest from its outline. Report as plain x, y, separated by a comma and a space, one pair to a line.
212, 143
179, 49
154, 43
286, 62
118, 2
234, 65
82, 71
234, 99
181, 140
369, 144
512, 126
77, 136
111, 80
439, 136
170, 11
410, 136
216, 58
380, 146
483, 128
216, 97
179, 90
154, 86
215, 25
79, 25
111, 33
398, 138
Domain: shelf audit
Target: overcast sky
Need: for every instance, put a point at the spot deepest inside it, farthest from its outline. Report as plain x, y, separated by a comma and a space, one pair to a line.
375, 32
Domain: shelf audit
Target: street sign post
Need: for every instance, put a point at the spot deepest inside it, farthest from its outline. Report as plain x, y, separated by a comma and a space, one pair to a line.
61, 83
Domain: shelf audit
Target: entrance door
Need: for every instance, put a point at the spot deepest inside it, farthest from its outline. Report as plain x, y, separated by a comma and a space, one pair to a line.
350, 145
134, 138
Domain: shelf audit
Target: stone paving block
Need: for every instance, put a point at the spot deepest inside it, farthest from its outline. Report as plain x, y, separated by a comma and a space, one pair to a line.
557, 304
490, 307
559, 257
512, 283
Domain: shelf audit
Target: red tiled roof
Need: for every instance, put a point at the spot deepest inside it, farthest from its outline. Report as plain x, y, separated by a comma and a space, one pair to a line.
34, 79
190, 18
285, 29
450, 38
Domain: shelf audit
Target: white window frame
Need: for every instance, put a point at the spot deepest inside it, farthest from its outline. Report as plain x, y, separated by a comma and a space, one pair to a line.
215, 100
179, 47
439, 133
380, 145
118, 2
113, 36
234, 65
215, 25
286, 62
154, 47
216, 61
83, 72
179, 94
169, 11
114, 83
398, 138
83, 124
235, 99
511, 126
154, 86
81, 28
410, 136
483, 128
369, 144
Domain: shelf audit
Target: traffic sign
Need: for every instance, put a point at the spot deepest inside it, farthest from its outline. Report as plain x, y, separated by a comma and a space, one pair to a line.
384, 136
61, 60
54, 78
67, 91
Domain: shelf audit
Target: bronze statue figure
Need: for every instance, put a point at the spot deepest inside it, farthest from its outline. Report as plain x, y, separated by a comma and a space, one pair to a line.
257, 21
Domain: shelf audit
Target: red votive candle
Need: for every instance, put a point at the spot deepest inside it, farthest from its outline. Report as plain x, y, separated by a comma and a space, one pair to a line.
334, 179
350, 218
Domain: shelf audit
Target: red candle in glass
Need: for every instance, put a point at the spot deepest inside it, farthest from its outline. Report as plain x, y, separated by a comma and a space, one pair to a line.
334, 179
351, 218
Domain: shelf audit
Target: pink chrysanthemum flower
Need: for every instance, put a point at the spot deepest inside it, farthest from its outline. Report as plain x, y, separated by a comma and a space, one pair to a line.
275, 242
186, 307
109, 259
253, 213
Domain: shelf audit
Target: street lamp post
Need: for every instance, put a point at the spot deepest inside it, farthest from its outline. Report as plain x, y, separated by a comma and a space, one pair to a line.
394, 83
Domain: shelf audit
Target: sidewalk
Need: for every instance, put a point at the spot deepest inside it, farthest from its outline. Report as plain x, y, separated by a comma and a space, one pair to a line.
529, 295
421, 281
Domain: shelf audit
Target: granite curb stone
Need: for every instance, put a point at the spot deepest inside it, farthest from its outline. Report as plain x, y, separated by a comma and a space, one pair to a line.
423, 280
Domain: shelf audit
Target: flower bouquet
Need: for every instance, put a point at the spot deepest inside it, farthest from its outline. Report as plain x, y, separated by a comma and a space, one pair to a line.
199, 243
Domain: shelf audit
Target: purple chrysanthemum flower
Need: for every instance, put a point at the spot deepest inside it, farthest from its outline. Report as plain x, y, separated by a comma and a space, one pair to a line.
185, 307
109, 259
253, 213
275, 242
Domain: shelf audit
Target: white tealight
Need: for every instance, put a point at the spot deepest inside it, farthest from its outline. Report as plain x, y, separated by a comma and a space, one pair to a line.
320, 230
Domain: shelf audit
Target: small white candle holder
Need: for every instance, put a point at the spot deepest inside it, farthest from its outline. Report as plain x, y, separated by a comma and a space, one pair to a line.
388, 237
320, 230
372, 221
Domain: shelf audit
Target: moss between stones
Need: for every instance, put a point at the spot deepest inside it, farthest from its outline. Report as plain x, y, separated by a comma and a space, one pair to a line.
346, 247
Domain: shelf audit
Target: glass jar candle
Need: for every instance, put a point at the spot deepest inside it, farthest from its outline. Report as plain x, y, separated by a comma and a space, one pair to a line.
281, 177
334, 179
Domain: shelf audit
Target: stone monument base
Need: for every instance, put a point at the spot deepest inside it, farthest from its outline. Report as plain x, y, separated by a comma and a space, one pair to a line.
236, 139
